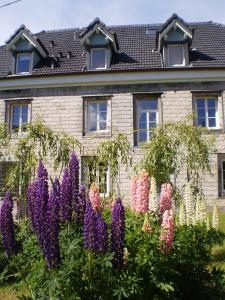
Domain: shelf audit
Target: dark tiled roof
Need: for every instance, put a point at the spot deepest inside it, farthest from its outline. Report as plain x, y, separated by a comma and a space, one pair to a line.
137, 49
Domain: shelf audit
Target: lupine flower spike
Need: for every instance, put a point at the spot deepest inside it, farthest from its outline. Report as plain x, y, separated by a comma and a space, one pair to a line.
6, 226
147, 226
215, 217
94, 196
165, 198
118, 233
182, 218
142, 192
51, 241
153, 196
65, 201
167, 231
133, 192
74, 176
41, 202
81, 204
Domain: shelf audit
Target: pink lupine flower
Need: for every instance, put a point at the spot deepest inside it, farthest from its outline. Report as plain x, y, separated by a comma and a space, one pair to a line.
94, 196
133, 193
165, 198
167, 231
142, 192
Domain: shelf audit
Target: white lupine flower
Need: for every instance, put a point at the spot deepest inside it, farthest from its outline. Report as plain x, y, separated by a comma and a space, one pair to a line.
182, 218
203, 211
153, 196
188, 202
198, 215
215, 217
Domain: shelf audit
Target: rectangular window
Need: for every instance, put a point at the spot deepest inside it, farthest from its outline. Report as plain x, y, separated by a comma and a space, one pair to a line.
97, 114
98, 59
176, 55
23, 63
19, 116
206, 111
146, 118
99, 174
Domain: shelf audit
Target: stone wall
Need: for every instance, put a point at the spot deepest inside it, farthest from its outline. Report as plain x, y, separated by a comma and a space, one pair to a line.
62, 110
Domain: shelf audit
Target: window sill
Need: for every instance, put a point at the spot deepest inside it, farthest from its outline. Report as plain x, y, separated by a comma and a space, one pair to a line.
97, 134
15, 135
214, 131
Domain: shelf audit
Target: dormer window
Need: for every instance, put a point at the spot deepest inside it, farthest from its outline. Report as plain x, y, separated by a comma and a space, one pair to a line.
174, 40
176, 55
98, 59
23, 63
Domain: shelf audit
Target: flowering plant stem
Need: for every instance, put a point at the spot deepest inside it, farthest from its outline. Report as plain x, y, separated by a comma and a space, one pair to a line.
89, 271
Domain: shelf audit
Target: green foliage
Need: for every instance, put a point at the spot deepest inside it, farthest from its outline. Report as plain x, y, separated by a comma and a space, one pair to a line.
184, 273
113, 153
40, 142
176, 146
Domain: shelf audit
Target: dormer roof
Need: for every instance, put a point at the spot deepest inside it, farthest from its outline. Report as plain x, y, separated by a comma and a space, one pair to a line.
172, 23
24, 33
97, 26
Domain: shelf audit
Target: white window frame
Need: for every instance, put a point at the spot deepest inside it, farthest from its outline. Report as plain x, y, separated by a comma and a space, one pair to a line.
98, 130
169, 48
222, 179
99, 49
206, 98
148, 111
30, 62
20, 104
85, 172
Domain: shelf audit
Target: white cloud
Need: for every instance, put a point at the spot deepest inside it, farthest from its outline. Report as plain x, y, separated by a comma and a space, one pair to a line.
40, 15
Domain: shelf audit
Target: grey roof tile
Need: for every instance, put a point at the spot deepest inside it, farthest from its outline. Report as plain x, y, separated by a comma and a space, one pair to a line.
137, 49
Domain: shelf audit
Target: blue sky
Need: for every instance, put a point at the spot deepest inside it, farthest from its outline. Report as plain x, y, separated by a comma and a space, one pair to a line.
38, 15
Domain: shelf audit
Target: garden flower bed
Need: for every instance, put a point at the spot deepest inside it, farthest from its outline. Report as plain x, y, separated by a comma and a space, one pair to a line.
73, 247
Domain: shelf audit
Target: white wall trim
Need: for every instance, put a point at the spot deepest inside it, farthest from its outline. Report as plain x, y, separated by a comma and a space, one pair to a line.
111, 78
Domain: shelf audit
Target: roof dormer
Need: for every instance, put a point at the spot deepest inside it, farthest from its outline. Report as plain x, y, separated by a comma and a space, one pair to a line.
99, 43
26, 51
173, 42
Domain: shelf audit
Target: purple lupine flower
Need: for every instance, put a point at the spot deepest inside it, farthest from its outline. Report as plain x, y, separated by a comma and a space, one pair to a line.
65, 201
41, 202
118, 232
31, 196
90, 230
102, 233
74, 176
51, 249
81, 205
6, 226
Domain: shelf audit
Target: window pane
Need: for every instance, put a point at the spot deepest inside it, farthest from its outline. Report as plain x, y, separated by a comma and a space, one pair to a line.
103, 106
148, 104
142, 136
15, 117
175, 55
212, 122
92, 116
23, 63
102, 126
103, 116
98, 59
201, 103
24, 113
201, 112
152, 117
202, 122
142, 121
212, 112
211, 103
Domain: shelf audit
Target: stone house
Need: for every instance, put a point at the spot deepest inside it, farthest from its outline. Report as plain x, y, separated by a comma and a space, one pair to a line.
95, 81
